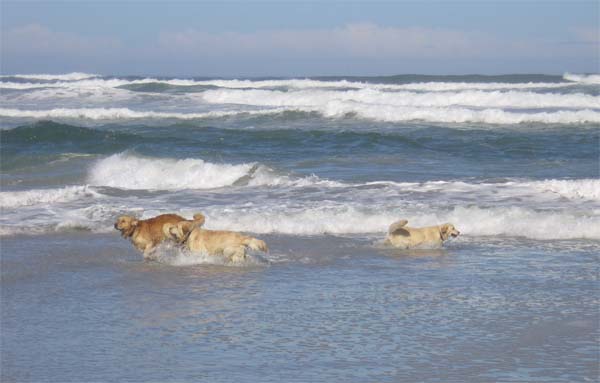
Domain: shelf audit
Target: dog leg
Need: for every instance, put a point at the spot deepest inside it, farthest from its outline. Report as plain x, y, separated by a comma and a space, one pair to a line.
149, 251
235, 254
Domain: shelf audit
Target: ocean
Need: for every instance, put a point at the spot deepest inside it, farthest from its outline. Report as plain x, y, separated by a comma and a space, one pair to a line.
318, 168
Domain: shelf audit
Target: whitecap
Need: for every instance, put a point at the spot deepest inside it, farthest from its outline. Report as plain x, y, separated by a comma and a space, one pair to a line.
15, 199
582, 78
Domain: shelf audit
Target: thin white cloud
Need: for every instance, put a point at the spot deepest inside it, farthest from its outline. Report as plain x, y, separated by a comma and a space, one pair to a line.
587, 35
38, 39
353, 48
355, 40
368, 41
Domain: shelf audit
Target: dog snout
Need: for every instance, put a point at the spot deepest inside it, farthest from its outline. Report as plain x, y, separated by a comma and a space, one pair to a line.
116, 227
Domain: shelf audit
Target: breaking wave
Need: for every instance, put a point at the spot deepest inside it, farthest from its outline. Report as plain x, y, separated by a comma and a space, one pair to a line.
83, 80
15, 199
127, 171
370, 97
356, 211
571, 189
74, 76
334, 109
440, 102
349, 84
583, 78
342, 219
120, 113
580, 189
389, 113
471, 221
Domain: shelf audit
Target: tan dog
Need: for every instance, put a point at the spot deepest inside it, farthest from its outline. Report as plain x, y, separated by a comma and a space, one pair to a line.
401, 236
145, 234
230, 244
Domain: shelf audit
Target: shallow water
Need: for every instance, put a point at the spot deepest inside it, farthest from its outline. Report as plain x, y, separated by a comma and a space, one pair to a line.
85, 307
318, 168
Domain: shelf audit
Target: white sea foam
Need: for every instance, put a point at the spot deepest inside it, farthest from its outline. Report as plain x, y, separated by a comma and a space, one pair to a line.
471, 221
389, 113
349, 219
26, 85
65, 77
86, 84
572, 189
175, 256
583, 78
335, 109
15, 199
76, 80
322, 217
522, 222
132, 172
372, 98
128, 171
435, 102
315, 84
122, 114
580, 189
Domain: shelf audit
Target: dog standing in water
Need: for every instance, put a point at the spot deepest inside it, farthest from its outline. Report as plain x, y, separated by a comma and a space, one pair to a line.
403, 237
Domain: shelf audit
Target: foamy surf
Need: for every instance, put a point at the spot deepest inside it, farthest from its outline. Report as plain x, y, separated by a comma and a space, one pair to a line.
15, 199
73, 76
472, 98
128, 171
582, 78
313, 218
66, 97
334, 109
75, 80
575, 190
471, 221
123, 114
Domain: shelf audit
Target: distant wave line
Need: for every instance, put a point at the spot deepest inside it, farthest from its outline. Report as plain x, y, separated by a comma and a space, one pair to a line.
385, 113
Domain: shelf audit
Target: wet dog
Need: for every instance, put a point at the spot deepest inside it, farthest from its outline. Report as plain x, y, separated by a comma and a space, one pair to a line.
145, 234
230, 244
403, 237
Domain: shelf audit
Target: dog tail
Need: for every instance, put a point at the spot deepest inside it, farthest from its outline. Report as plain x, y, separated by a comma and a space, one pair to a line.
199, 219
397, 225
256, 244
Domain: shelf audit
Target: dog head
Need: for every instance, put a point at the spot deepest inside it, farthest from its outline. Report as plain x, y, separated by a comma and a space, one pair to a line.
448, 230
178, 232
126, 224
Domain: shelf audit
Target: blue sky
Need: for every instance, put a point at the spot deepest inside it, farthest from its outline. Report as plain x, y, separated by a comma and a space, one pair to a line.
287, 38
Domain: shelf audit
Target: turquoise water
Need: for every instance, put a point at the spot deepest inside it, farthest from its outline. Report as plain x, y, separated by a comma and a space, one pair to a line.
318, 168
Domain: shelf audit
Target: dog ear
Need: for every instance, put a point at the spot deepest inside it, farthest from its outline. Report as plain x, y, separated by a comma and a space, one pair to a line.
444, 229
134, 222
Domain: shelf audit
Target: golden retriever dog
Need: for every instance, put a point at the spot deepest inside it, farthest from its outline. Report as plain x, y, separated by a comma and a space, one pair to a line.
230, 244
146, 234
403, 237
